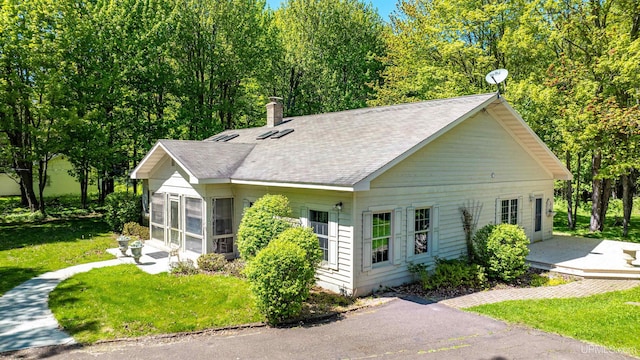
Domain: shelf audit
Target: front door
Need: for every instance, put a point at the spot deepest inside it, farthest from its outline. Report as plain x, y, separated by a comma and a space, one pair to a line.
175, 232
537, 220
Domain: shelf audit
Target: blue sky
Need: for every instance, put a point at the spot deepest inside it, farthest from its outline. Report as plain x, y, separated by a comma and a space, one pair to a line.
385, 7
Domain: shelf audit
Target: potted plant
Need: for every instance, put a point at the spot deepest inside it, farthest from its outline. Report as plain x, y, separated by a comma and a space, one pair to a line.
123, 243
136, 250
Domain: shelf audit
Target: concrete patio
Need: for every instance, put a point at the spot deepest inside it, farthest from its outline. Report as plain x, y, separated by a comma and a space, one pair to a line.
590, 258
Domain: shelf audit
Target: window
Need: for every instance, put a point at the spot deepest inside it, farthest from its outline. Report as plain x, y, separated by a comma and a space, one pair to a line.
223, 225
381, 237
422, 227
157, 216
509, 211
193, 226
319, 221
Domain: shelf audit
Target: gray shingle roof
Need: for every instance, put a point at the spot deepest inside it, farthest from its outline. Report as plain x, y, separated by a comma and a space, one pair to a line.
345, 147
207, 160
341, 149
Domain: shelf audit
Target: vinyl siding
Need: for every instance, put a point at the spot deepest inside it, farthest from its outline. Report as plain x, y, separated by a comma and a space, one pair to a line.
340, 280
467, 154
451, 237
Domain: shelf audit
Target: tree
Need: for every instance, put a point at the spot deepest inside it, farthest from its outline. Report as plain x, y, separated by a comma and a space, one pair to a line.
331, 51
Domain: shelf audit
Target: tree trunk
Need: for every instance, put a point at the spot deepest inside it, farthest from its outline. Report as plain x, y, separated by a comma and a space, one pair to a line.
597, 197
577, 192
24, 169
627, 202
43, 165
569, 194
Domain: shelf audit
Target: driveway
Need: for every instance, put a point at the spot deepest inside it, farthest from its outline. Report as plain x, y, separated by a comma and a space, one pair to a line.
400, 329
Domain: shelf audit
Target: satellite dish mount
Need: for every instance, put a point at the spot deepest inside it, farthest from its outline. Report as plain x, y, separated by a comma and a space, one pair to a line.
496, 77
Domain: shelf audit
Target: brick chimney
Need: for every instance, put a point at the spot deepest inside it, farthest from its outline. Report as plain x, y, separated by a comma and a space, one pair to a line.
274, 112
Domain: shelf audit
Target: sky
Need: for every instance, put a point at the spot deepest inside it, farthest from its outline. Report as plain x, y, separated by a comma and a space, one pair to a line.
385, 7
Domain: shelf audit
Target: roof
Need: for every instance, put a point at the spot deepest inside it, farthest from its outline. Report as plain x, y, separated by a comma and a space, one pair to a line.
342, 150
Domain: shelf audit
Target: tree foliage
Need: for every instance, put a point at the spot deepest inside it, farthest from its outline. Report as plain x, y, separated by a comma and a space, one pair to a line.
261, 223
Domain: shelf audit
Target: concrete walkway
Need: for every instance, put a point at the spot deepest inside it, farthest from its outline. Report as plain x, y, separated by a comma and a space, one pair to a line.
25, 318
574, 289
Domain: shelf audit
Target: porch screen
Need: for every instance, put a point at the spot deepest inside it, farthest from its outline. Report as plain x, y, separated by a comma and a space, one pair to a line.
157, 216
223, 225
193, 226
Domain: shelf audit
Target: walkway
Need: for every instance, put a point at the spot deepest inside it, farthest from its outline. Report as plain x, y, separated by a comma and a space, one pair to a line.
25, 318
574, 289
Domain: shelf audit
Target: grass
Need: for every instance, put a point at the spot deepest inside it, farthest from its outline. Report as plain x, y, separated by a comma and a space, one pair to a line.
613, 226
11, 211
28, 250
123, 301
609, 319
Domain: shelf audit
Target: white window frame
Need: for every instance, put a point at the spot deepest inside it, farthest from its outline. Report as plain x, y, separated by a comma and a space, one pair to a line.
511, 217
202, 222
433, 231
217, 238
388, 236
332, 236
427, 232
395, 244
163, 225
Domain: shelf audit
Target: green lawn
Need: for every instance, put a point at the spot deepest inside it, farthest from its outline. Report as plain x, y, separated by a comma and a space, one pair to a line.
611, 319
123, 301
28, 250
612, 231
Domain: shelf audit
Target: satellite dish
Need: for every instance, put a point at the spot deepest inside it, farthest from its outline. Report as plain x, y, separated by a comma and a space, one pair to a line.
496, 77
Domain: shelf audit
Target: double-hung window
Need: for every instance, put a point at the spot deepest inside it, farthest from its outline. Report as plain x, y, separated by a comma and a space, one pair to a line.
319, 222
422, 228
509, 211
381, 237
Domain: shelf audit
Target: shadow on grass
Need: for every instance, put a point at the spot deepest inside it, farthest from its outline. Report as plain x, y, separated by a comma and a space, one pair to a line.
17, 236
10, 277
612, 227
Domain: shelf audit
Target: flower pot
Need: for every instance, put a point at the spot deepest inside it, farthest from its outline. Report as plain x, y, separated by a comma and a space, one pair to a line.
136, 252
123, 243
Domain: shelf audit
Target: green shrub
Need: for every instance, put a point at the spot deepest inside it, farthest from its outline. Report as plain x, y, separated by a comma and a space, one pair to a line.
261, 223
22, 217
280, 277
184, 267
479, 245
307, 240
235, 268
121, 208
212, 262
134, 229
450, 274
507, 247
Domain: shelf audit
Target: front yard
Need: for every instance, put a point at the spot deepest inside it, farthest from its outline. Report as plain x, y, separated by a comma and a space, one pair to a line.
124, 301
610, 319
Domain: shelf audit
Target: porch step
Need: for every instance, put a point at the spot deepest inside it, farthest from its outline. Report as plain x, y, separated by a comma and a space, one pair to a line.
626, 273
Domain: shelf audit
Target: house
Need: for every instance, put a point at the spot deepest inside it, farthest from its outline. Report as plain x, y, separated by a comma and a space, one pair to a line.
59, 181
382, 187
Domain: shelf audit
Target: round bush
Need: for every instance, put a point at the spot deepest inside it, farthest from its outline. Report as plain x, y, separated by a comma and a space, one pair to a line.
480, 255
212, 262
261, 223
508, 248
280, 277
121, 208
307, 240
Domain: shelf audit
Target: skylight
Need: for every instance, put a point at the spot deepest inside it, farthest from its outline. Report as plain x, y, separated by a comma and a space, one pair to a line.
282, 133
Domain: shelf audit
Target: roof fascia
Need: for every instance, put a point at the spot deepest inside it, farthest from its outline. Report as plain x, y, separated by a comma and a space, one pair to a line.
364, 184
293, 185
135, 173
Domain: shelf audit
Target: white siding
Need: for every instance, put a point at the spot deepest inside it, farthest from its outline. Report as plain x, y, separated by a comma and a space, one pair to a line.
451, 237
467, 154
171, 179
454, 170
340, 280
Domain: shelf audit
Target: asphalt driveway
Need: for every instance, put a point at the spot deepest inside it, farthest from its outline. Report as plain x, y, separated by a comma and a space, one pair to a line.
400, 329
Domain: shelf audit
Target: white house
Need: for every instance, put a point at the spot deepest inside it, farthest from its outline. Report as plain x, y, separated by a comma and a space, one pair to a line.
381, 186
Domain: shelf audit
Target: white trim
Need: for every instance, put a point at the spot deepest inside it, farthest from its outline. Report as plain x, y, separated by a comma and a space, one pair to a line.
293, 185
